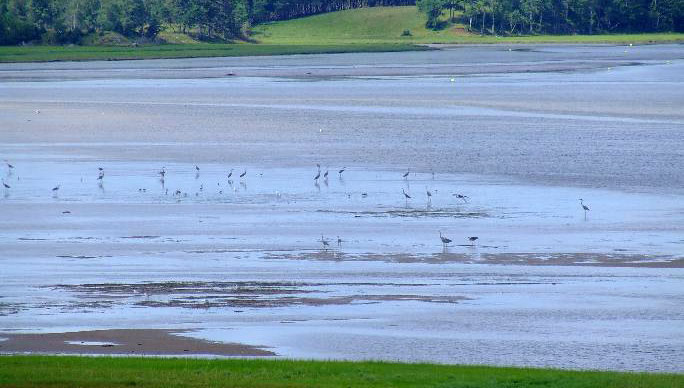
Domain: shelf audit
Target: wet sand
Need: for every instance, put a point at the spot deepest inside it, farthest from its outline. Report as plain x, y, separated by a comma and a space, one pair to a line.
133, 342
523, 133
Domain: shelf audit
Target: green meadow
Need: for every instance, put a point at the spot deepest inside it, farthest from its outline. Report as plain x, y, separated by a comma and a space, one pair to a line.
62, 371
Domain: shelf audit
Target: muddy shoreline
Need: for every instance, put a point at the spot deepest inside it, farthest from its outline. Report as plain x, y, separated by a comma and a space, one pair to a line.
132, 342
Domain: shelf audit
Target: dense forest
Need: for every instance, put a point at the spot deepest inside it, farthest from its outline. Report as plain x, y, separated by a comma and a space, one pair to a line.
509, 17
68, 21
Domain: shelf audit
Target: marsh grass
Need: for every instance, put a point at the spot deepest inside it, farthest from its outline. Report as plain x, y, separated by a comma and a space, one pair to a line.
61, 371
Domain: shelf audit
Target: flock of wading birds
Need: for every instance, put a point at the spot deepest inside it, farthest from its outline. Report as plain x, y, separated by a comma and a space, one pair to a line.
325, 242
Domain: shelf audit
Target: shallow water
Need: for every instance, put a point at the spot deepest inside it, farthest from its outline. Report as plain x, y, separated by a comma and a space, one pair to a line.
242, 260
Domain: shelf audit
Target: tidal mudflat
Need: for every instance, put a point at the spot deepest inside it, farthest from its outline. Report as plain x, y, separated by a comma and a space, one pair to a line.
506, 142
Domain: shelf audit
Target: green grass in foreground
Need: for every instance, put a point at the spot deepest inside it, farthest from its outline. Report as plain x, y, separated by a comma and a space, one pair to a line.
386, 24
55, 371
84, 53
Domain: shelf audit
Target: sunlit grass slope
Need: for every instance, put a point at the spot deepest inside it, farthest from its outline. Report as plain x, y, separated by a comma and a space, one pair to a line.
386, 25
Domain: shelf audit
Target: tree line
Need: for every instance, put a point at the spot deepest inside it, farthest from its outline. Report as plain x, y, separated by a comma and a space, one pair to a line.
67, 21
511, 17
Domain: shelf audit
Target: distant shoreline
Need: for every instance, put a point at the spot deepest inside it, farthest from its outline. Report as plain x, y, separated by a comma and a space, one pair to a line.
40, 53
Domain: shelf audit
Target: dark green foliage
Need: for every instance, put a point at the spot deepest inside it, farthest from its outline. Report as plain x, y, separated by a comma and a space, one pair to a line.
509, 17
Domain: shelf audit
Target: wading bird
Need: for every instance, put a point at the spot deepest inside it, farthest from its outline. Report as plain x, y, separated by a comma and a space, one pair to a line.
325, 242
339, 241
9, 165
584, 207
6, 185
230, 174
243, 174
196, 168
429, 194
325, 175
406, 174
317, 175
100, 175
472, 240
162, 172
445, 241
56, 188
341, 170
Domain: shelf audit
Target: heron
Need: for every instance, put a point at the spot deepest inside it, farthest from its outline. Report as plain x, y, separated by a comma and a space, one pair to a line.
406, 174
197, 168
9, 165
317, 175
325, 242
339, 241
6, 185
341, 171
445, 241
429, 194
100, 168
584, 207
406, 195
472, 240
100, 175
325, 175
243, 174
230, 174
56, 188
162, 172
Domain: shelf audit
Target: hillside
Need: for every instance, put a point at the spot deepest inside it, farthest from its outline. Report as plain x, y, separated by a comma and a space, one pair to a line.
386, 24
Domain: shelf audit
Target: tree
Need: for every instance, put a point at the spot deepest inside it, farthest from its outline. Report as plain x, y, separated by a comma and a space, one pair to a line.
433, 9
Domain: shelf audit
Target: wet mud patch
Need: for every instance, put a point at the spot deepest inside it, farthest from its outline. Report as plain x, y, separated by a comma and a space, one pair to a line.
202, 295
124, 341
475, 257
412, 213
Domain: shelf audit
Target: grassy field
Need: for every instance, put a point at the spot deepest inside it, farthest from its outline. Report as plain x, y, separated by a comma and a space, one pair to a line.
386, 24
55, 371
83, 53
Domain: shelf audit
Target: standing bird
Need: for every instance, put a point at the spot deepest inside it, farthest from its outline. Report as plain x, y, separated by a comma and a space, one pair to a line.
325, 242
406, 196
445, 241
325, 175
56, 188
472, 240
341, 171
406, 174
6, 185
584, 207
339, 241
243, 174
429, 195
196, 168
162, 172
100, 175
317, 176
230, 174
9, 165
